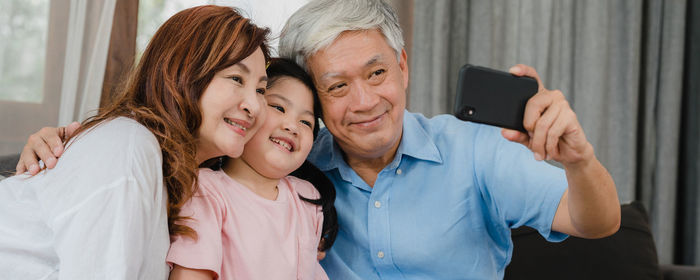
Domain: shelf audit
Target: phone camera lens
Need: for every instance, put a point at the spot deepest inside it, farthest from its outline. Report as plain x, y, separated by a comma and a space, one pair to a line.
468, 111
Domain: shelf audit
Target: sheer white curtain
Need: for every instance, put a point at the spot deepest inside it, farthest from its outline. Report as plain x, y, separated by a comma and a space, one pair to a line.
76, 42
89, 28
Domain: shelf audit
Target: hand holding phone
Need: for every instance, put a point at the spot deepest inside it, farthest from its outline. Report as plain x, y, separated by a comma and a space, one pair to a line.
493, 97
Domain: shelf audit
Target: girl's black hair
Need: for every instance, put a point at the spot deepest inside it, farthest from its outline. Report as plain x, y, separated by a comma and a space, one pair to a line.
285, 68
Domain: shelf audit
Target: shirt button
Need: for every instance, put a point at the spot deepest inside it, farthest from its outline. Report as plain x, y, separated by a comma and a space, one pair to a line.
377, 204
380, 255
398, 171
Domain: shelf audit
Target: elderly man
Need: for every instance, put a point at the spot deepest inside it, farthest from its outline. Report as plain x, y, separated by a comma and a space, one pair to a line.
421, 198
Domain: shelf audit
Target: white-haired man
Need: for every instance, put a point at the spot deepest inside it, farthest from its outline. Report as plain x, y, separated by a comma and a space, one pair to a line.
422, 198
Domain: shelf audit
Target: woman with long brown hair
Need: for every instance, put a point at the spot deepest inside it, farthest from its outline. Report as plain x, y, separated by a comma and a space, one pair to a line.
106, 211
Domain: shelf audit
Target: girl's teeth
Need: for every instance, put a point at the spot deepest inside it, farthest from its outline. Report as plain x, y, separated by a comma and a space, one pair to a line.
281, 143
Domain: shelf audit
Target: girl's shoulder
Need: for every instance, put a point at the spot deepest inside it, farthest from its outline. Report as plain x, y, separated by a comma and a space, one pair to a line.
212, 182
302, 187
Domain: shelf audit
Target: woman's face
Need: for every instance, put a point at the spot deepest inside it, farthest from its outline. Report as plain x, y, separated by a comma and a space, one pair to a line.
285, 139
232, 107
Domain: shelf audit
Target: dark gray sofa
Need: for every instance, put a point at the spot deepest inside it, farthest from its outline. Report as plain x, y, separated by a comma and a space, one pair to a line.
8, 164
628, 254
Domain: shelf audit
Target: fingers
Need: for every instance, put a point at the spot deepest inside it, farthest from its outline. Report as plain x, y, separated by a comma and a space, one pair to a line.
557, 129
535, 107
541, 135
49, 144
524, 70
27, 161
320, 255
45, 145
70, 130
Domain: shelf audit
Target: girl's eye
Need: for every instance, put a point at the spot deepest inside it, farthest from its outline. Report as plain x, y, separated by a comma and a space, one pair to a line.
307, 123
237, 79
279, 108
260, 91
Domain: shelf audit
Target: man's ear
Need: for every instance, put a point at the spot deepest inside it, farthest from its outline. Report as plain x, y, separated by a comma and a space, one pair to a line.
403, 65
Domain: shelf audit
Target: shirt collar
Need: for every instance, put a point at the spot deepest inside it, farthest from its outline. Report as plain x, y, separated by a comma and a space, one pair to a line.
416, 141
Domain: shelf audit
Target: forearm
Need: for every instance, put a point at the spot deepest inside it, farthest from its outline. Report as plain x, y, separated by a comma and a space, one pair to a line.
593, 205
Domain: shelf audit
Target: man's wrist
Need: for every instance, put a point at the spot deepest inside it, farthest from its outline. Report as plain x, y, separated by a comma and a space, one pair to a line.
587, 159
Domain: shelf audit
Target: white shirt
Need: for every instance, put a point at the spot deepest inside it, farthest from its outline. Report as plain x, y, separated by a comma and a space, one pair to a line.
99, 214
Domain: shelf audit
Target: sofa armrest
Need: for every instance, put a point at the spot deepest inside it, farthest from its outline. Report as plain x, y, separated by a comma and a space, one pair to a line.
679, 272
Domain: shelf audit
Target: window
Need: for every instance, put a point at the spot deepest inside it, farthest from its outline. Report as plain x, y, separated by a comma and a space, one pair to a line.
23, 27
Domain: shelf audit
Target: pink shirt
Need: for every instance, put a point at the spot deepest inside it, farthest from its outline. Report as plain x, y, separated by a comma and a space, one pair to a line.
244, 236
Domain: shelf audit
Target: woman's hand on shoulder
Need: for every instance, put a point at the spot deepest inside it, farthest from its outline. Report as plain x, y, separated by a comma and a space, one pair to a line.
45, 145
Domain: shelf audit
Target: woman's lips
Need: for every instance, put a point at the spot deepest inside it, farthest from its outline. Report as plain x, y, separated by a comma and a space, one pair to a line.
238, 126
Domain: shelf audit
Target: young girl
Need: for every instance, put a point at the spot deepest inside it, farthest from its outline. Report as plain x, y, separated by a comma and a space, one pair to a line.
253, 220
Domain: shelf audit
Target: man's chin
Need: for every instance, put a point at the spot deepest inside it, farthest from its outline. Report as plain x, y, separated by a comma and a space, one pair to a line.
370, 147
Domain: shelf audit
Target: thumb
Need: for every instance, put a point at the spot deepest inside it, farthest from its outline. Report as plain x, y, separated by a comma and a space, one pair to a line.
515, 136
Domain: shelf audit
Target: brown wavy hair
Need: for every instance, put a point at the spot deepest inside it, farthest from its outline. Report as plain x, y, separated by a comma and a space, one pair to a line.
162, 92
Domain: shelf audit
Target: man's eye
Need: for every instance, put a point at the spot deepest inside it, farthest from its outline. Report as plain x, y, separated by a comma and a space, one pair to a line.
378, 72
260, 91
338, 86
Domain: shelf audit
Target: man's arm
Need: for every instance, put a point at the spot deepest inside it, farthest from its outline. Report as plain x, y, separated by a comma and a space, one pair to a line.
590, 207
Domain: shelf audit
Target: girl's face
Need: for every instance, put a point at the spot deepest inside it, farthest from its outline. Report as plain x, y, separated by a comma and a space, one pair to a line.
285, 139
232, 108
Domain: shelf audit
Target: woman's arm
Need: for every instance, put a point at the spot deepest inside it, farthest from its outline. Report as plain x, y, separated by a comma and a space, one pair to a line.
180, 272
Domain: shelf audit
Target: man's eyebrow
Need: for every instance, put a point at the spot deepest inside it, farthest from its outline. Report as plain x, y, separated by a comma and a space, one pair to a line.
374, 60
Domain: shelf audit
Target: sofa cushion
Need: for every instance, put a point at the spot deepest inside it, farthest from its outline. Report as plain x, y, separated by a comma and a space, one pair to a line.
628, 254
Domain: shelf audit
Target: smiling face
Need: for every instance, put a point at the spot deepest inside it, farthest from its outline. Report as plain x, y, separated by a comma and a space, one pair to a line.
232, 108
285, 139
362, 88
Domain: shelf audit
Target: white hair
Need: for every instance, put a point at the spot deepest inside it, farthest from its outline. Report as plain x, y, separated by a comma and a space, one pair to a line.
318, 23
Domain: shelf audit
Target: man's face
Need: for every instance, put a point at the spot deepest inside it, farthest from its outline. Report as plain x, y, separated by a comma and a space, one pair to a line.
362, 88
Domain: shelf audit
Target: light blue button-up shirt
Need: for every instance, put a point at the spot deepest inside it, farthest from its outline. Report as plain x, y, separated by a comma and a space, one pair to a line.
443, 208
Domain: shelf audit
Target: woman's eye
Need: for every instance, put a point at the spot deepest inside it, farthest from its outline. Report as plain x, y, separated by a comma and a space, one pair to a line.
278, 108
237, 79
307, 123
260, 91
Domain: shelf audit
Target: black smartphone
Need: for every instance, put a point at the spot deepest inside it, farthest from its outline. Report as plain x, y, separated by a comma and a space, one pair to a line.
493, 97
